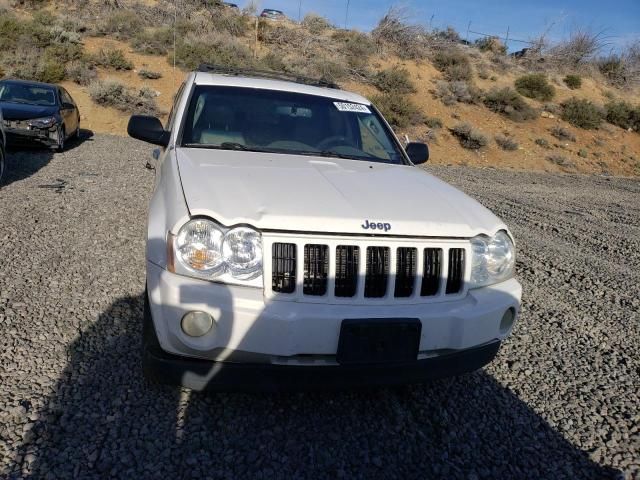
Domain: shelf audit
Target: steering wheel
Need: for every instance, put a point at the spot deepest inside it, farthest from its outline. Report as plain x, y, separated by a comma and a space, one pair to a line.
334, 141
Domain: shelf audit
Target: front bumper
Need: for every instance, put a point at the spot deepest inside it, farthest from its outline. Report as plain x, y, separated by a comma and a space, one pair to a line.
41, 136
252, 329
200, 375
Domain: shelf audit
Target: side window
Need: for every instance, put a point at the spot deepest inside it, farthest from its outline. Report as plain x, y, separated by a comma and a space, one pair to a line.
374, 141
172, 114
66, 98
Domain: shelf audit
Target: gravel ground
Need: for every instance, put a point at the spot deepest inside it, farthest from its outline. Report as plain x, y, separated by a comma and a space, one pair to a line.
560, 401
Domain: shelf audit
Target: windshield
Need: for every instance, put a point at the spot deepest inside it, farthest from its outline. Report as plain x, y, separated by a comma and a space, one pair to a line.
285, 122
29, 94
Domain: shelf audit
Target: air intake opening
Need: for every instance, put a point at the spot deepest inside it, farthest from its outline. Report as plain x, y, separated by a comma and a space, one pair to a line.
316, 269
283, 279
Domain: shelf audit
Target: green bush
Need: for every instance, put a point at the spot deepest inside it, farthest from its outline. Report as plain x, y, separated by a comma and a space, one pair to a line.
121, 24
399, 111
535, 85
213, 49
469, 137
543, 142
114, 94
394, 80
509, 103
356, 48
149, 74
581, 113
623, 115
153, 42
573, 81
112, 59
433, 122
63, 52
506, 143
50, 72
454, 64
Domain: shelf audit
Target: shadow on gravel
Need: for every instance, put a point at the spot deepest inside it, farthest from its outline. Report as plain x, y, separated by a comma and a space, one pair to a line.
24, 161
104, 421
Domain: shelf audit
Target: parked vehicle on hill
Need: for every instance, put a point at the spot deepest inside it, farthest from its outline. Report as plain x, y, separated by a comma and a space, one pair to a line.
292, 240
3, 143
233, 6
271, 14
38, 113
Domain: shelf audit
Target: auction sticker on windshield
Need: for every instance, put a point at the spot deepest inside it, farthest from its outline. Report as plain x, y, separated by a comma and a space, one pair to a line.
352, 107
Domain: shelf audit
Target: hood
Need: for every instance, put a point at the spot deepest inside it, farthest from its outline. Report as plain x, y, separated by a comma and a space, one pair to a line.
21, 111
311, 194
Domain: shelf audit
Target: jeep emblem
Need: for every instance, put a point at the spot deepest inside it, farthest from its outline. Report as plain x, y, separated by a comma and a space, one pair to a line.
369, 225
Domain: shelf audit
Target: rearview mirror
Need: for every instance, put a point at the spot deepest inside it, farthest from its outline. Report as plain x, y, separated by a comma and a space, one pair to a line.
148, 129
418, 152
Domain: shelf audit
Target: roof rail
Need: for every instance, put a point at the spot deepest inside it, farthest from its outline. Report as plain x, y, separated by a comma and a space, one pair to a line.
270, 74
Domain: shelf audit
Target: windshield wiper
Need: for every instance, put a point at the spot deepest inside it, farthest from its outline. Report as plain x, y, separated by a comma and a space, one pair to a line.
330, 153
226, 146
234, 146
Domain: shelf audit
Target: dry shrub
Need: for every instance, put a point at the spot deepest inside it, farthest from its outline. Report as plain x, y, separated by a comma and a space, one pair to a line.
562, 133
459, 91
81, 72
560, 161
506, 143
582, 45
315, 23
399, 110
469, 137
394, 80
491, 44
115, 94
509, 103
535, 85
356, 48
581, 113
395, 31
454, 64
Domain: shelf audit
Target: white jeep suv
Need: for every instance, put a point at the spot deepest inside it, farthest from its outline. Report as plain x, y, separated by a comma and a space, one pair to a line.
292, 242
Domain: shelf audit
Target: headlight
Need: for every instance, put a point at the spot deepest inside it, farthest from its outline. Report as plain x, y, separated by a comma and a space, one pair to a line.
199, 247
203, 249
242, 252
493, 259
46, 122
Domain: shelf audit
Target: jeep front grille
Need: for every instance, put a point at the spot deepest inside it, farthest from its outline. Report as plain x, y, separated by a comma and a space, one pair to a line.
355, 270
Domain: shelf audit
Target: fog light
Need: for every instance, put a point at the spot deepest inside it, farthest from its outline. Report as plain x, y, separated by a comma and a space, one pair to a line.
196, 324
507, 320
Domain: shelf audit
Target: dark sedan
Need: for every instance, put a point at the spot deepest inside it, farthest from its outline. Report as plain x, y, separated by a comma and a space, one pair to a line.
38, 113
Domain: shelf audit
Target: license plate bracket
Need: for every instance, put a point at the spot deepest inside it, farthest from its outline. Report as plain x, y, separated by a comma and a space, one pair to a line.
378, 340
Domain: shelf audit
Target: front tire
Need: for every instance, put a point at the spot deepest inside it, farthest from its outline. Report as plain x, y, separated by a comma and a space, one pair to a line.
2, 163
61, 139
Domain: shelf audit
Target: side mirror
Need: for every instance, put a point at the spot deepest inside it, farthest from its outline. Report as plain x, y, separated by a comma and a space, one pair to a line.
68, 106
418, 152
148, 129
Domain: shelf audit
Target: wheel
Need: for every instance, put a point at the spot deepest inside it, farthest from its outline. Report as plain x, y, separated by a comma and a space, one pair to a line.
2, 163
76, 134
61, 138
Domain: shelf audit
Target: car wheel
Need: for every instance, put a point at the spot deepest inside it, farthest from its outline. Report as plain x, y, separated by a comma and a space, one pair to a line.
2, 163
61, 138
